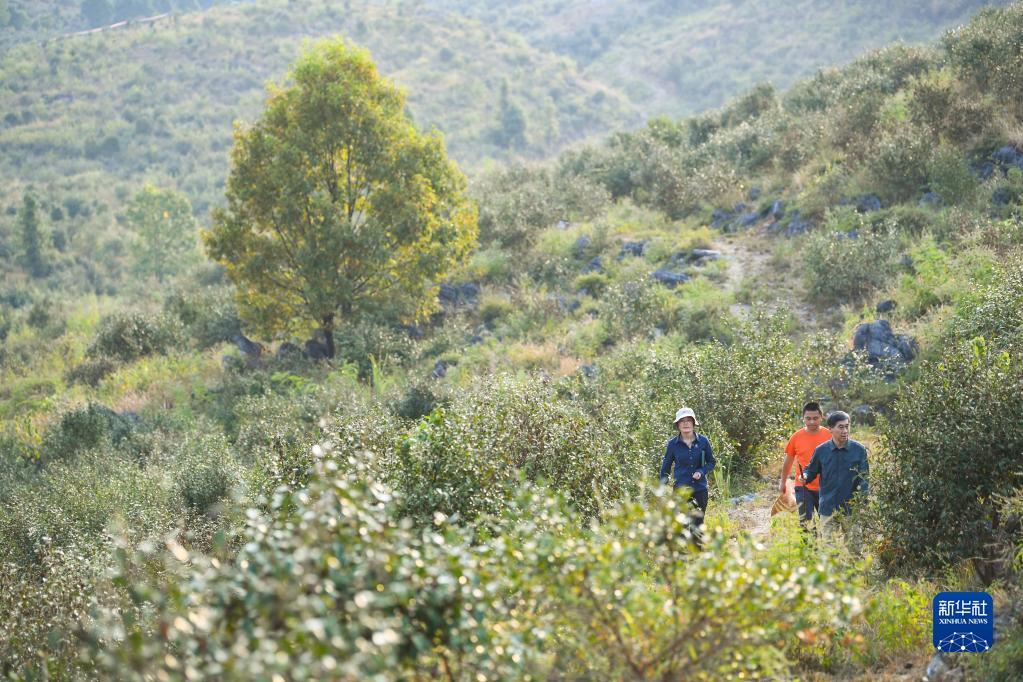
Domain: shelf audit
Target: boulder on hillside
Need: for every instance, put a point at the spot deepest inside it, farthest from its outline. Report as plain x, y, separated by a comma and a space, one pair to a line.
721, 218
670, 279
581, 245
885, 306
1007, 157
288, 351
754, 193
931, 200
596, 264
884, 348
632, 249
700, 255
315, 349
459, 295
247, 346
440, 369
865, 203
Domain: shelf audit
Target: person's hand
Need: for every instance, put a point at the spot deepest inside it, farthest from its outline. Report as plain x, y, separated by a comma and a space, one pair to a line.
781, 485
696, 475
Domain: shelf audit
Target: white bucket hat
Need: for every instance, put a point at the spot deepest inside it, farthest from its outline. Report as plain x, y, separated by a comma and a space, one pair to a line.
685, 412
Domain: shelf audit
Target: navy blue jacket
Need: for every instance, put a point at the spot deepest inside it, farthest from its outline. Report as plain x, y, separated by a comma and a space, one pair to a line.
687, 461
843, 473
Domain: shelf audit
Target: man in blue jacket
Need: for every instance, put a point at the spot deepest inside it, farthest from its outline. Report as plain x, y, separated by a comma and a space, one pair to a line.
842, 465
690, 454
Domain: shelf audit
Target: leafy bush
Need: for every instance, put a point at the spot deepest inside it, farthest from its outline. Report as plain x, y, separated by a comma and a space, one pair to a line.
950, 177
367, 343
417, 401
336, 582
91, 372
743, 392
897, 163
84, 428
947, 454
209, 316
848, 259
130, 336
204, 472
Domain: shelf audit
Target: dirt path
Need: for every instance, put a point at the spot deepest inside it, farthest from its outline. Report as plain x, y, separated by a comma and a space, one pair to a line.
751, 275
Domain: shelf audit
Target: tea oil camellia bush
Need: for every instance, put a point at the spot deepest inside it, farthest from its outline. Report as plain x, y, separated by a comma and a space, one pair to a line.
331, 584
954, 442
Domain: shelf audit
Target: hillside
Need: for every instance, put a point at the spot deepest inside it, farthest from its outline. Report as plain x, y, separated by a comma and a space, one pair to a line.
682, 57
160, 99
189, 493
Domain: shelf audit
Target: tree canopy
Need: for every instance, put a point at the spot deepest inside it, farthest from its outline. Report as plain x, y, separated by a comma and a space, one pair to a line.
336, 203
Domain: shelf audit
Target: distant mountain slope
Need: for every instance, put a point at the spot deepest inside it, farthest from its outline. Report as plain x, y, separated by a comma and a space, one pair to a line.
677, 57
99, 113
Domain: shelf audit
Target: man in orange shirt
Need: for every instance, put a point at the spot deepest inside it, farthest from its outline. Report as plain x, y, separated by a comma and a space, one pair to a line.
800, 450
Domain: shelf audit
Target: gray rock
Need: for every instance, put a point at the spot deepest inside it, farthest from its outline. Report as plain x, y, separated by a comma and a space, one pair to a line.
1007, 157
930, 199
563, 225
746, 220
247, 346
883, 347
797, 225
868, 203
703, 254
720, 218
940, 670
1001, 197
589, 371
885, 306
315, 349
670, 279
288, 351
580, 245
440, 369
863, 414
459, 295
568, 305
907, 262
984, 169
775, 211
754, 193
632, 249
595, 265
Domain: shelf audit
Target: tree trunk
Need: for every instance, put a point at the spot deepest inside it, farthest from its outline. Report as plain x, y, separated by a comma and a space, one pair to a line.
328, 335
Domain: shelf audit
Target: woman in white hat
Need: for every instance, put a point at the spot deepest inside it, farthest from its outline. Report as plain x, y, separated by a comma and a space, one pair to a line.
691, 455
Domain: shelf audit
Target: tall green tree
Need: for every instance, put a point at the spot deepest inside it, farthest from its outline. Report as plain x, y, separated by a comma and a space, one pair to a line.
31, 235
336, 205
164, 231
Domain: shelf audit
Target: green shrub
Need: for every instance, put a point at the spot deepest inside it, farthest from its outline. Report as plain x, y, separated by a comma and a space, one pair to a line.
744, 391
129, 336
949, 176
848, 259
91, 372
84, 428
204, 472
897, 163
947, 454
336, 582
367, 343
417, 401
593, 283
986, 51
208, 316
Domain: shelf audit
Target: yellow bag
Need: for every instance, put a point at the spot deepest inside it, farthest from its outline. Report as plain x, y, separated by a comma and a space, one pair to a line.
786, 501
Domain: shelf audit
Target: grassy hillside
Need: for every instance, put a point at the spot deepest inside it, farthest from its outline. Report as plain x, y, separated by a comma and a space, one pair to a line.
160, 99
681, 57
477, 497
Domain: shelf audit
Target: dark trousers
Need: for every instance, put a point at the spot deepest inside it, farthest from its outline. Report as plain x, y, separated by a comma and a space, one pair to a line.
807, 502
699, 500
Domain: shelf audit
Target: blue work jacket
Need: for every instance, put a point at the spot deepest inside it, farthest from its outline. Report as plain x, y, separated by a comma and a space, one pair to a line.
687, 461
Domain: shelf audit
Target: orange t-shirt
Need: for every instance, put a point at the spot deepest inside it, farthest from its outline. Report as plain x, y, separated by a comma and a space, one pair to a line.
801, 446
